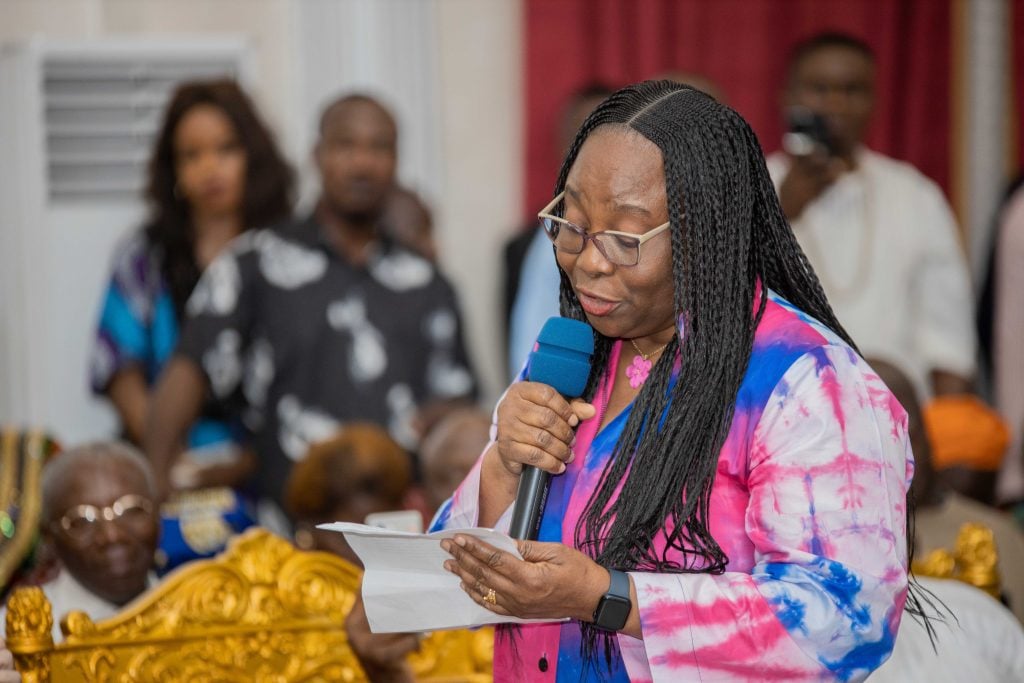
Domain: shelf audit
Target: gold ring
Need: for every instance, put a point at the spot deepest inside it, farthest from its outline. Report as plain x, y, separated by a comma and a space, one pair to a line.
491, 597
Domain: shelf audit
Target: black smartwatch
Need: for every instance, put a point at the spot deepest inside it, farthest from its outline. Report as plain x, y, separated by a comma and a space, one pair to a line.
613, 609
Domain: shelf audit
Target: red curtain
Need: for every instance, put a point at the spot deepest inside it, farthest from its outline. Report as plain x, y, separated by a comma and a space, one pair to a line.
742, 45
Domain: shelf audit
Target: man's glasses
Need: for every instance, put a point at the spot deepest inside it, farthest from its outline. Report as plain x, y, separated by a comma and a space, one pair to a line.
620, 248
130, 510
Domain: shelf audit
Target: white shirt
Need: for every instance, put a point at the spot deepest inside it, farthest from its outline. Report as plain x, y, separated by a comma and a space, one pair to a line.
983, 644
884, 244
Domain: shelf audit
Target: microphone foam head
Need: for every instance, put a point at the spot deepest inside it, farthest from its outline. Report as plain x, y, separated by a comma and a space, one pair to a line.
562, 357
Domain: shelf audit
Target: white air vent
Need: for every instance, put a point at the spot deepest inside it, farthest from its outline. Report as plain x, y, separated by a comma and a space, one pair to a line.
101, 115
77, 120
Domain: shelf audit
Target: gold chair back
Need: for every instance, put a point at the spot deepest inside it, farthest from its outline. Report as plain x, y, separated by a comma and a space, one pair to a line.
262, 611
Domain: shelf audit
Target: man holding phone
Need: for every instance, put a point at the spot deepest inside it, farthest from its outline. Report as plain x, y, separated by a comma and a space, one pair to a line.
879, 234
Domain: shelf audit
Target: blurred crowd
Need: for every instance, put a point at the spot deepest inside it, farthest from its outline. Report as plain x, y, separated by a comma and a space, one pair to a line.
288, 370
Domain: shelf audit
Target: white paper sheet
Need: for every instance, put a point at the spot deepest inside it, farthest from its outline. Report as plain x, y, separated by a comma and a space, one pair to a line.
405, 585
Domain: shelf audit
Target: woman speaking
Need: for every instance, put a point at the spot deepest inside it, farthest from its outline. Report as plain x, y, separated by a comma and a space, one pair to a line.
728, 503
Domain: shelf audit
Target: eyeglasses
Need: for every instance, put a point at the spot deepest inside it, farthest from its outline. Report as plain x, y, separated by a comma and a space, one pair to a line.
620, 248
130, 510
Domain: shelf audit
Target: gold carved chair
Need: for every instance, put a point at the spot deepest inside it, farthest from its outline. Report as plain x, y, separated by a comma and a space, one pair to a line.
260, 612
974, 560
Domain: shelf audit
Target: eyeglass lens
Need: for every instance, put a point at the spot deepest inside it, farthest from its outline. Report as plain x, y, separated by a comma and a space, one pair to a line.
621, 250
85, 519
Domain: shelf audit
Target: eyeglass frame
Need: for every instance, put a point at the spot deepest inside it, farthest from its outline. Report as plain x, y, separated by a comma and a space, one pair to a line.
545, 213
110, 513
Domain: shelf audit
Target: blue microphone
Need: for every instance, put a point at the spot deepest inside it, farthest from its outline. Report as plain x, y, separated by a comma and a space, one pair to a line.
562, 361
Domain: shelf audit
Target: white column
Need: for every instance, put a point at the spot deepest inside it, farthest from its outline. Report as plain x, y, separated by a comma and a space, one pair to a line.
986, 135
481, 44
384, 48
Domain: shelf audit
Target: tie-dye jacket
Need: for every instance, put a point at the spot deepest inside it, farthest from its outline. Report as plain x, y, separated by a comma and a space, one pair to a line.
809, 505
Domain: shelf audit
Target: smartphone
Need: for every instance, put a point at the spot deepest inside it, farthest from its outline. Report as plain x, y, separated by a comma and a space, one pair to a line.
397, 520
808, 133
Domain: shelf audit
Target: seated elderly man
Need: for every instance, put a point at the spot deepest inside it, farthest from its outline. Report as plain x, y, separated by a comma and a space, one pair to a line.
99, 517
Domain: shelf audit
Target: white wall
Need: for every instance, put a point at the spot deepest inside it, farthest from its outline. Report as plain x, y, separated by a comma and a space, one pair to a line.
264, 22
482, 115
984, 148
454, 83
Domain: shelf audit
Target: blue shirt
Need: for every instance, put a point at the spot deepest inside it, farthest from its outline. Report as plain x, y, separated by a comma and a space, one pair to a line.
536, 300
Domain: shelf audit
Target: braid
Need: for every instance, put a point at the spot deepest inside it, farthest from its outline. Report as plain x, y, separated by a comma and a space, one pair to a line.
730, 242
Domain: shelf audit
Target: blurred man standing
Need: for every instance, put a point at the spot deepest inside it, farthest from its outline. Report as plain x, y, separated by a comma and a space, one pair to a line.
879, 234
305, 327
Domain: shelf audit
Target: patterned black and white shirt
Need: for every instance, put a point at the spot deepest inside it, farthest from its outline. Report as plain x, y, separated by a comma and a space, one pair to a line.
298, 341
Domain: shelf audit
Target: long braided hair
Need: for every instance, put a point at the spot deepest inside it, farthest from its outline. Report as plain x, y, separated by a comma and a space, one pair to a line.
728, 234
269, 181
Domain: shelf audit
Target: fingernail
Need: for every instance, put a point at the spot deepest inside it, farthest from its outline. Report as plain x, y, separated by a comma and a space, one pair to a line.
573, 421
562, 468
572, 444
459, 540
572, 456
446, 546
448, 564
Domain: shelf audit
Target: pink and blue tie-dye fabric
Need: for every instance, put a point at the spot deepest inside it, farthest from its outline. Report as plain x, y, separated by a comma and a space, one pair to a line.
809, 505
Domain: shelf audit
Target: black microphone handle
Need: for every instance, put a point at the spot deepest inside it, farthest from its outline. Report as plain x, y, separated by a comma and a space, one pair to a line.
531, 497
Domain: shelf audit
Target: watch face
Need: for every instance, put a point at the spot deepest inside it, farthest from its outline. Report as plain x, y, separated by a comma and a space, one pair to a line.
613, 613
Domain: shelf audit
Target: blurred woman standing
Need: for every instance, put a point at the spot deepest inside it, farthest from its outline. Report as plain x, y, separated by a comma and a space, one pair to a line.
215, 172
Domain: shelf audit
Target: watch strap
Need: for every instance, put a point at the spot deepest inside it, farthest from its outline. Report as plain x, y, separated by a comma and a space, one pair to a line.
619, 586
